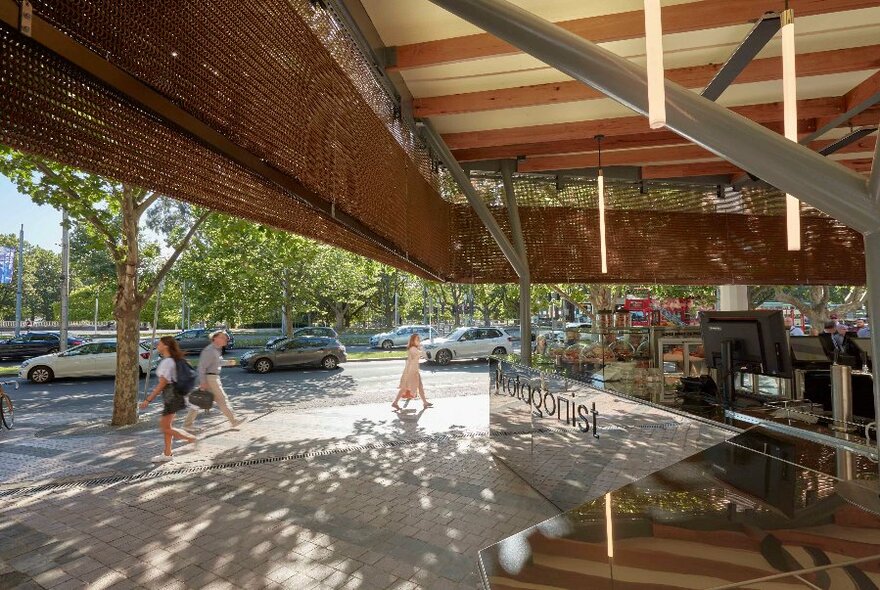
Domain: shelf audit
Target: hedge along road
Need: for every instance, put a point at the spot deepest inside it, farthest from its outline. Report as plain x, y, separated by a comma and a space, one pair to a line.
352, 383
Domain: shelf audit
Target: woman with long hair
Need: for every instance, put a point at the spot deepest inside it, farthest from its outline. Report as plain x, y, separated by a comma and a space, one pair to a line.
173, 401
411, 380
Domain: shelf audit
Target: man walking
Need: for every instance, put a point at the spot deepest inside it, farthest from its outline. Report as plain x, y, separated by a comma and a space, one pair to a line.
210, 361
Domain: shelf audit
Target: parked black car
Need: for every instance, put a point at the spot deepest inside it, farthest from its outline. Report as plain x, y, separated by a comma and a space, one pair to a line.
33, 344
197, 339
292, 352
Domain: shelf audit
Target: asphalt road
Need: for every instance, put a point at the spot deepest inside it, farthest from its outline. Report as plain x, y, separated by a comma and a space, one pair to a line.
352, 383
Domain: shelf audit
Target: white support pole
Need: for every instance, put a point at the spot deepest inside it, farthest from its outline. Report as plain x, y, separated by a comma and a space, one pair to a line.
733, 297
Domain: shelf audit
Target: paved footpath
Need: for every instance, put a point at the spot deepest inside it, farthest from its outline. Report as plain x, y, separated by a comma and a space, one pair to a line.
353, 497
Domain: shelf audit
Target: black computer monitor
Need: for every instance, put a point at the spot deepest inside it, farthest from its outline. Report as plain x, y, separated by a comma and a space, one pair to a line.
864, 347
808, 350
759, 341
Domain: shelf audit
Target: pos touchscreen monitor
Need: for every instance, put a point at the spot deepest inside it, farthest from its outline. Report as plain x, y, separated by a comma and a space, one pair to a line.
758, 341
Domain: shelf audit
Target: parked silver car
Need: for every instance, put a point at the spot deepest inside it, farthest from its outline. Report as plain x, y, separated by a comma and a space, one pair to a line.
292, 352
400, 336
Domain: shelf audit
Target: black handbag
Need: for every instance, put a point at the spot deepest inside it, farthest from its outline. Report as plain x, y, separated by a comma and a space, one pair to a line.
201, 399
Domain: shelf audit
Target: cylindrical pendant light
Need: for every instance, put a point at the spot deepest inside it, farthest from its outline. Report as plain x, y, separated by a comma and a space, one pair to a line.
789, 99
654, 53
609, 526
600, 183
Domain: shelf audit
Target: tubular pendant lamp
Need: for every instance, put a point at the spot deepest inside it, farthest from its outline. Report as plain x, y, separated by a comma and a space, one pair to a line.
609, 528
654, 53
789, 98
600, 183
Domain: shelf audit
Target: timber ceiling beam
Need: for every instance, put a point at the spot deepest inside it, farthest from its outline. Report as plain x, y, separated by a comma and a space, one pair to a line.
683, 18
665, 155
761, 70
759, 113
722, 168
644, 140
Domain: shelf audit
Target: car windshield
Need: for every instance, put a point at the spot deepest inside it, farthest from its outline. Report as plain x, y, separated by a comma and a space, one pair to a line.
457, 334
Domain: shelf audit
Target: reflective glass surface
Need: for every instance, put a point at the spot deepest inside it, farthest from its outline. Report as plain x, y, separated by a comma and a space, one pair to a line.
740, 514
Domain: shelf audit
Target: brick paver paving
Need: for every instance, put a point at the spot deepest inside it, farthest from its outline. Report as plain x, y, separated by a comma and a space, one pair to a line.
329, 496
411, 516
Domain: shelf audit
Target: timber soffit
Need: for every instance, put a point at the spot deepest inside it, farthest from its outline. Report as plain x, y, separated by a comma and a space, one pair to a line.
523, 138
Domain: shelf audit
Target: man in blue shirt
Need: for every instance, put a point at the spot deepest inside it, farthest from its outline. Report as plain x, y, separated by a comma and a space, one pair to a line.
864, 331
792, 329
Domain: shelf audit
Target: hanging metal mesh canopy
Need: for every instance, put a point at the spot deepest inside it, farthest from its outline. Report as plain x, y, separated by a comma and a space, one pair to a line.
660, 233
269, 113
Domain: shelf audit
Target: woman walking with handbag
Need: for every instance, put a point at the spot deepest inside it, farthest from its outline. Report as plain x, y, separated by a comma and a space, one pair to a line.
173, 401
411, 380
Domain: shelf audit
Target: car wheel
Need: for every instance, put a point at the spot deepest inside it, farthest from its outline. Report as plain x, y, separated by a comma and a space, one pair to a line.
387, 345
443, 357
330, 362
263, 366
499, 351
41, 374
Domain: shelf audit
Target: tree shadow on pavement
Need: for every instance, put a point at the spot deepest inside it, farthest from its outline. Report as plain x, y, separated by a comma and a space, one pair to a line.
412, 515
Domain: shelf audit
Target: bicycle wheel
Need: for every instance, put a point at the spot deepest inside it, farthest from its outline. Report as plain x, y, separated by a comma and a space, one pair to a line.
7, 414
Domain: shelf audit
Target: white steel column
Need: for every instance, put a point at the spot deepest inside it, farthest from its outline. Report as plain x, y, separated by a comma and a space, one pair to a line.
733, 297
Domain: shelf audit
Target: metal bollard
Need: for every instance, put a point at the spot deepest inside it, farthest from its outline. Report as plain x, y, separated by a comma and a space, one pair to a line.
841, 398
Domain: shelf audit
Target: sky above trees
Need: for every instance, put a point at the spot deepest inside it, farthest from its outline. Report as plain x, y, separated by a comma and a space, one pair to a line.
42, 223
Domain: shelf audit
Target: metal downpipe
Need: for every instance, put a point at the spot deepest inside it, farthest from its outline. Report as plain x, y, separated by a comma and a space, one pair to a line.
790, 167
525, 286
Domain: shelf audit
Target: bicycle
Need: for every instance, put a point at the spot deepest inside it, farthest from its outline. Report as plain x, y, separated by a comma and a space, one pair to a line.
7, 414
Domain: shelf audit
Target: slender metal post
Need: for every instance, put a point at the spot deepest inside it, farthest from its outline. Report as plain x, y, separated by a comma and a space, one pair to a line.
19, 288
792, 168
525, 282
97, 296
425, 303
65, 280
872, 275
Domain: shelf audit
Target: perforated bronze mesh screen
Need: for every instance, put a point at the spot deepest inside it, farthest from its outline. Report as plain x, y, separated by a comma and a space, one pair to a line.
278, 78
669, 234
268, 76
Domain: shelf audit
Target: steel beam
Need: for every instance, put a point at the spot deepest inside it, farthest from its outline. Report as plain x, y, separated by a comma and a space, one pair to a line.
792, 168
872, 276
847, 140
761, 33
139, 93
508, 167
874, 180
441, 150
841, 118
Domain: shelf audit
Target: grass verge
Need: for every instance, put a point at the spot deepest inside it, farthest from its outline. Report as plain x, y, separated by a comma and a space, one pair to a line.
359, 356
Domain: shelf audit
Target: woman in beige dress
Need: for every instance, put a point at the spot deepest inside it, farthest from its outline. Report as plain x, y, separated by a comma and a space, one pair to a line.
411, 380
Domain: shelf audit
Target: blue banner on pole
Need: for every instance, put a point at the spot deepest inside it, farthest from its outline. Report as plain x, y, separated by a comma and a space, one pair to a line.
7, 264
